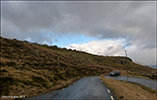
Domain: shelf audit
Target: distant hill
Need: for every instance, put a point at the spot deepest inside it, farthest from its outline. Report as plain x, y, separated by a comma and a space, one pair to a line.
30, 69
152, 66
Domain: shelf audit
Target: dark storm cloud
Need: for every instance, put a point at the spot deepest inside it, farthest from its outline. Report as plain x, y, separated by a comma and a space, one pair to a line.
133, 21
31, 16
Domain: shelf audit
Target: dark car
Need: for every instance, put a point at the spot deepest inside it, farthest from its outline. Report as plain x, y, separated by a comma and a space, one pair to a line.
114, 73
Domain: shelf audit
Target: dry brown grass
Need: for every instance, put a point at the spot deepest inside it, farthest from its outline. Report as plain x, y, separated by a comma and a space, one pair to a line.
128, 91
22, 83
31, 69
132, 74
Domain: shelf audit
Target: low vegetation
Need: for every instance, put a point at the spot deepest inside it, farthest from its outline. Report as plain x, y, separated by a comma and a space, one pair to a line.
31, 69
123, 90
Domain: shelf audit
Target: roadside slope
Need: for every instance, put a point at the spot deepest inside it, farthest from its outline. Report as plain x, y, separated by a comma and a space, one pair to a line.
123, 90
142, 81
30, 69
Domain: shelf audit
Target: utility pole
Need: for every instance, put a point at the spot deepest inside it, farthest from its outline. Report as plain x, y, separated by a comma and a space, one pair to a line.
80, 47
125, 53
50, 39
126, 66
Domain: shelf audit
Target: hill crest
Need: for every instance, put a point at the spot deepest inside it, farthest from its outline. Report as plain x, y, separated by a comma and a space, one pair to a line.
28, 67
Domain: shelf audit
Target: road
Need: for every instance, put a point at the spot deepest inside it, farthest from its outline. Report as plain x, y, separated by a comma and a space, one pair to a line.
143, 81
85, 88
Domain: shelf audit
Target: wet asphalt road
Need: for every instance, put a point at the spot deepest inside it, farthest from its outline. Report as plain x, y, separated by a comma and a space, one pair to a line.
91, 88
146, 82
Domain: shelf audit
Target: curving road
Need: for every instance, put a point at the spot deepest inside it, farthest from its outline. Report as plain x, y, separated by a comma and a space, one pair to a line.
85, 88
143, 81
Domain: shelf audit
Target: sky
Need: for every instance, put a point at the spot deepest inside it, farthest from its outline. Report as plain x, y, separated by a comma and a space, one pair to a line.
97, 27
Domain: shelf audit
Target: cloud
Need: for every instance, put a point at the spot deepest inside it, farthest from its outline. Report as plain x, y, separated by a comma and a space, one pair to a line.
129, 20
133, 22
106, 47
142, 56
116, 48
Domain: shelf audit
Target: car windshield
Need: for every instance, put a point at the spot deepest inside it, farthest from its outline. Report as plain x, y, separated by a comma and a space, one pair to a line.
114, 71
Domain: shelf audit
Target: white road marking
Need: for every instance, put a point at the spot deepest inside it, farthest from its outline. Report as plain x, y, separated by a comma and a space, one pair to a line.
80, 93
108, 91
112, 98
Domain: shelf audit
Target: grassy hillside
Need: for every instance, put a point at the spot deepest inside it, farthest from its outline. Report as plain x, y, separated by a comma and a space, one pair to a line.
30, 69
123, 90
